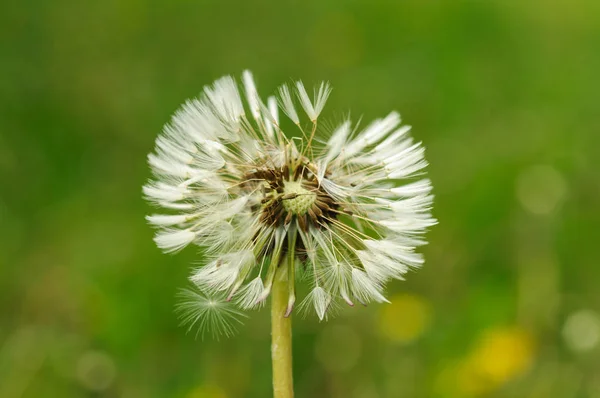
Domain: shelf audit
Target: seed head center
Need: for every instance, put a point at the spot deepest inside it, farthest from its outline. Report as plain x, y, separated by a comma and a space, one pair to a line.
296, 198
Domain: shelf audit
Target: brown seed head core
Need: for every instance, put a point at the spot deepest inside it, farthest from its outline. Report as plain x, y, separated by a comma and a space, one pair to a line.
290, 192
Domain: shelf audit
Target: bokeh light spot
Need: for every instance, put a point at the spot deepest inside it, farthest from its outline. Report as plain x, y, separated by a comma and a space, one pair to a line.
582, 330
405, 319
499, 356
540, 189
96, 370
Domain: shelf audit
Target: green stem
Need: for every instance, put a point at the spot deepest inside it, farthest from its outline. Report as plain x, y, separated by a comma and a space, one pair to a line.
281, 335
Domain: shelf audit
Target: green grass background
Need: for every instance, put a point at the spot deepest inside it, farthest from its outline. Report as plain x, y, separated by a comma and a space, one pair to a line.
504, 94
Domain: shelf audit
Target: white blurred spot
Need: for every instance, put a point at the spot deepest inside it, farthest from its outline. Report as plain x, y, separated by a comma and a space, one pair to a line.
540, 189
338, 348
582, 330
96, 370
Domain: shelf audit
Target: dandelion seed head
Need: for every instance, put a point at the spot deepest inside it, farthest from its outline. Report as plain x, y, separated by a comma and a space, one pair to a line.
347, 211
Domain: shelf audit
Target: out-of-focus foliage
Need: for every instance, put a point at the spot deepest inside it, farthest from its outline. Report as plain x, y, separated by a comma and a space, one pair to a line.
505, 95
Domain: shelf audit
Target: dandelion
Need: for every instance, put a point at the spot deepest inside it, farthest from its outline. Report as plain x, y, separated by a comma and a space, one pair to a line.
345, 210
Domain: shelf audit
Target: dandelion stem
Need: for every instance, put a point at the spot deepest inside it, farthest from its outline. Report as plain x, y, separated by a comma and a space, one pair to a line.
281, 334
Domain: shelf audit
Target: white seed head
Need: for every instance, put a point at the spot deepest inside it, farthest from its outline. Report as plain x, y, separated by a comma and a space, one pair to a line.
352, 208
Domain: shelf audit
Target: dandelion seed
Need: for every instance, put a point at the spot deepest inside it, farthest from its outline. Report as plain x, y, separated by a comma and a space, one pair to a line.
352, 208
319, 299
321, 96
208, 314
249, 296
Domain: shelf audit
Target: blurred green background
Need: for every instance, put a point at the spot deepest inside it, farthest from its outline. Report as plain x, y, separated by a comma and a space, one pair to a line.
505, 95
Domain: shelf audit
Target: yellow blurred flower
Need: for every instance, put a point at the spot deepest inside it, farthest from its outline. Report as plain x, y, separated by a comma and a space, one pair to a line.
499, 356
405, 319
